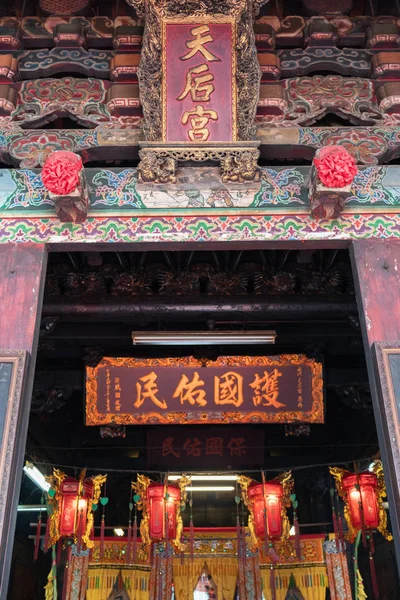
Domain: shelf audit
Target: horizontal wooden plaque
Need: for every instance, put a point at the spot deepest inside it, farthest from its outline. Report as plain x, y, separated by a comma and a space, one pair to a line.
232, 389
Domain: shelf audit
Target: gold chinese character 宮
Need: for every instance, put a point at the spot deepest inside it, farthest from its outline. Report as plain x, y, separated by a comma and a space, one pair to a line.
199, 118
228, 389
201, 36
197, 85
147, 387
266, 389
188, 391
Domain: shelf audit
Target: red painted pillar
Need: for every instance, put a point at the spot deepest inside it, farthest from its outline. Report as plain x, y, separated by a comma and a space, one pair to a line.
22, 277
376, 269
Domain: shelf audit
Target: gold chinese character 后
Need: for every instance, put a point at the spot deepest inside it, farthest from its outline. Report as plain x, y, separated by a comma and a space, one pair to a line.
147, 387
201, 36
168, 448
199, 118
266, 389
187, 392
228, 389
236, 447
197, 85
192, 447
215, 446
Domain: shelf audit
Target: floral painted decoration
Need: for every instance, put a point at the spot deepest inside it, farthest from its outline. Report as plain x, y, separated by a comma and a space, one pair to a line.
335, 166
60, 173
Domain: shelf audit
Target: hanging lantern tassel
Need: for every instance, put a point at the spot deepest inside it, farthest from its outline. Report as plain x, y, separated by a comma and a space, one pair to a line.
238, 538
191, 528
59, 550
103, 502
374, 580
297, 535
272, 581
129, 541
37, 537
339, 520
47, 534
243, 543
134, 534
91, 549
102, 529
295, 504
334, 518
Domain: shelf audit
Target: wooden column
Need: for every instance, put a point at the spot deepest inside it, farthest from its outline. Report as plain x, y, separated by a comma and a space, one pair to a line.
376, 269
22, 276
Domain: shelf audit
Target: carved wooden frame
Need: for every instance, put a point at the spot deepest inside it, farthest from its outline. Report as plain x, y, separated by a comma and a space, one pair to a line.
391, 420
227, 20
248, 72
18, 358
314, 415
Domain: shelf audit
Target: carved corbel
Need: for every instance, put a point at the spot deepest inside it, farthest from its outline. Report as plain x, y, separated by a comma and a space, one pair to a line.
8, 68
69, 35
320, 32
123, 100
64, 178
332, 174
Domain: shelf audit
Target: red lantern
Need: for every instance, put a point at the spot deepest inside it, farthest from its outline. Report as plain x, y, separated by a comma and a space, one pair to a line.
267, 506
72, 502
162, 503
161, 510
361, 493
267, 503
75, 496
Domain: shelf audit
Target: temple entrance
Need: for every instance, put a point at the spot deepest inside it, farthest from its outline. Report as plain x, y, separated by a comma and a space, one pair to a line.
277, 312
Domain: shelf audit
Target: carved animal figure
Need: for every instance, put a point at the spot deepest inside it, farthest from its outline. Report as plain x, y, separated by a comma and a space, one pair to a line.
240, 168
156, 170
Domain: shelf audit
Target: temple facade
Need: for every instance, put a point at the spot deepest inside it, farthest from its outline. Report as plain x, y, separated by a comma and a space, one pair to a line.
200, 299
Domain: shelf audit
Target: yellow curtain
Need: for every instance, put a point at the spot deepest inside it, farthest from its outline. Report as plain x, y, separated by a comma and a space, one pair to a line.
102, 579
282, 578
311, 581
186, 576
224, 572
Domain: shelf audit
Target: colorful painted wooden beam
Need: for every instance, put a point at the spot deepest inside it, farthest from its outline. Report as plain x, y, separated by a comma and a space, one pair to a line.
28, 148
117, 192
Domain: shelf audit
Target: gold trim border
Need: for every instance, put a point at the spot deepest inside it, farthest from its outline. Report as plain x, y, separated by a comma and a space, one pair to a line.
315, 415
223, 19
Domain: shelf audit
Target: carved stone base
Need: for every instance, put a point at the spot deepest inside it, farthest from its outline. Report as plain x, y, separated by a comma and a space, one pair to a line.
159, 160
326, 203
72, 208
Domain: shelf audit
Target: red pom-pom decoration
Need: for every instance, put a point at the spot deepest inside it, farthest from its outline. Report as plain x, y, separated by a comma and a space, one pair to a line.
60, 173
336, 168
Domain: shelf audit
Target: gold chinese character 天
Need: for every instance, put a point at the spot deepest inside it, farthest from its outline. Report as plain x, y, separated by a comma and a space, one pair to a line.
266, 389
168, 448
199, 118
198, 86
201, 36
192, 447
236, 447
215, 446
228, 389
147, 387
190, 391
